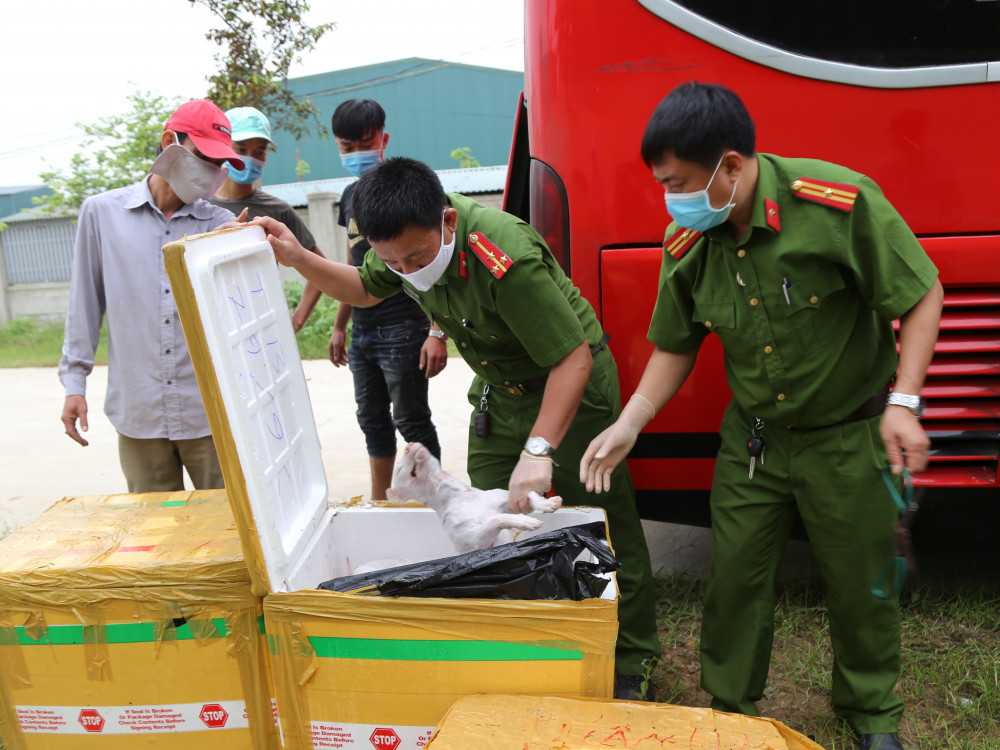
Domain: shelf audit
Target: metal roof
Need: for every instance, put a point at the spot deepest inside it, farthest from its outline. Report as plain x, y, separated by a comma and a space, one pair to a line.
19, 198
35, 214
14, 189
425, 117
468, 181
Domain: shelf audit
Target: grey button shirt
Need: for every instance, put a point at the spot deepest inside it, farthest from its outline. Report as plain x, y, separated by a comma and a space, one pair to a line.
118, 271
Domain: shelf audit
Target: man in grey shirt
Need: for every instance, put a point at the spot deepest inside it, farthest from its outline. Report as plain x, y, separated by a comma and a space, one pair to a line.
152, 399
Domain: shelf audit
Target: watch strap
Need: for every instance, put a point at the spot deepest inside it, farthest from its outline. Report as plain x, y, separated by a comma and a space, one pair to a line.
914, 403
538, 446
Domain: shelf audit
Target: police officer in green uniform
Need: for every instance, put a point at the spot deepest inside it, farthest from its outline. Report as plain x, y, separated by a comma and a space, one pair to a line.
545, 381
799, 267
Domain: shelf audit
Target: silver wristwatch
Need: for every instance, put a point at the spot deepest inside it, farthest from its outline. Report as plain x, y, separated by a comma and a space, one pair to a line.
538, 446
438, 334
914, 403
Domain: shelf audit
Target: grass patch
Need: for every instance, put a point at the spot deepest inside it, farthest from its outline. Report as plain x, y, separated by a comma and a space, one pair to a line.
314, 337
27, 342
950, 678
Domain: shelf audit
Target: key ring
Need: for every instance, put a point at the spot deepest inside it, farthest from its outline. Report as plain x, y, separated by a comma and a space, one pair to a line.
896, 568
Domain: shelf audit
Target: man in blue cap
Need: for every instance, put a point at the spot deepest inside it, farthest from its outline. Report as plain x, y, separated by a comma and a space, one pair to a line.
252, 141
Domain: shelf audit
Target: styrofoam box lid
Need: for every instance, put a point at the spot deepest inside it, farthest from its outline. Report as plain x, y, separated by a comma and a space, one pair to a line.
249, 333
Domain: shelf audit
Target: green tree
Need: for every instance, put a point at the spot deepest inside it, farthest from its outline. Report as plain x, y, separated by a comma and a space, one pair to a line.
301, 167
126, 146
465, 157
261, 40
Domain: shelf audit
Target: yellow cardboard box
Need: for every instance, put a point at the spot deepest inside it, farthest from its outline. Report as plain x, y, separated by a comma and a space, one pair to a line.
127, 621
529, 722
350, 670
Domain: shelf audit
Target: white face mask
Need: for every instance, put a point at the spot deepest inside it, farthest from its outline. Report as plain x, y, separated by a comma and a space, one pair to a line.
189, 177
424, 278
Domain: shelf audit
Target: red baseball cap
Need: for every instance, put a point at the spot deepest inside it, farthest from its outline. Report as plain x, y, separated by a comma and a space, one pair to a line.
208, 127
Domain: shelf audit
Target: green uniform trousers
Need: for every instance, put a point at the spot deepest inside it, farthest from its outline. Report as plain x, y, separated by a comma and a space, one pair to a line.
833, 476
492, 460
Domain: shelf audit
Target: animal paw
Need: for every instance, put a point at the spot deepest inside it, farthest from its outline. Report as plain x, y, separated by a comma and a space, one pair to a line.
517, 521
544, 504
524, 523
496, 530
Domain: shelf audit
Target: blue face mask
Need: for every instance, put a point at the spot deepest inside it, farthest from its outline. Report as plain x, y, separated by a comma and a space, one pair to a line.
359, 162
252, 171
694, 210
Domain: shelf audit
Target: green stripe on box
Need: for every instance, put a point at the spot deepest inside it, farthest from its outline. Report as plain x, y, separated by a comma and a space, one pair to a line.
140, 632
166, 504
406, 650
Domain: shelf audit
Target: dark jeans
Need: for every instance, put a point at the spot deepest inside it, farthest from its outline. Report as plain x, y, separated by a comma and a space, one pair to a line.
385, 361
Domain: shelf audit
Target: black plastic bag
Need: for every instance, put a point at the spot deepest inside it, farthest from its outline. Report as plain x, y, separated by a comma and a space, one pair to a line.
540, 567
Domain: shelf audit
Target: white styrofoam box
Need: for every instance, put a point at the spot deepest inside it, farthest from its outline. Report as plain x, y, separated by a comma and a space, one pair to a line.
255, 356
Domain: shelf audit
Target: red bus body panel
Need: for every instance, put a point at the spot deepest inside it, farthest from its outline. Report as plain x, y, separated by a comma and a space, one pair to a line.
595, 70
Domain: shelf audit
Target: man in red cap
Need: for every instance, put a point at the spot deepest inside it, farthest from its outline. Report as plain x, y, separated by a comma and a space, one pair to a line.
152, 398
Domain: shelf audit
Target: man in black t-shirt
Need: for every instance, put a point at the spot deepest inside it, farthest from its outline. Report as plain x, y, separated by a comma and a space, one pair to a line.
394, 347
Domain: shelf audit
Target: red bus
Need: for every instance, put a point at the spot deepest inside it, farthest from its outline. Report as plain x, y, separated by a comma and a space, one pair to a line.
908, 94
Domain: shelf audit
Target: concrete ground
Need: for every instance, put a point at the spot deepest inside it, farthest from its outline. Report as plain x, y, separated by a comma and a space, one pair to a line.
39, 464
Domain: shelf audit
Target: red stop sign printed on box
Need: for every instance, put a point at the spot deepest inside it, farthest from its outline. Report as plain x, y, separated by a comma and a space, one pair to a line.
384, 739
91, 720
213, 715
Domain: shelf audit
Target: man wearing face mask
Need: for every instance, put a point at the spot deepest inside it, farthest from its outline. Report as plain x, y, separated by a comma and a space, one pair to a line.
394, 347
799, 267
153, 399
545, 380
252, 141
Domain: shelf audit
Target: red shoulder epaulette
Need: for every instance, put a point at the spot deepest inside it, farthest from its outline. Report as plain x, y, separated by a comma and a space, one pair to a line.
680, 242
833, 194
495, 259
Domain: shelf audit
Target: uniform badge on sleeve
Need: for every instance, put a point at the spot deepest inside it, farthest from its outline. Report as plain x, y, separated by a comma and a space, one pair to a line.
833, 194
680, 242
495, 259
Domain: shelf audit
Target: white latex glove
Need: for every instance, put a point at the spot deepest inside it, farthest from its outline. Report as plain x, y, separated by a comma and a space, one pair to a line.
609, 449
531, 473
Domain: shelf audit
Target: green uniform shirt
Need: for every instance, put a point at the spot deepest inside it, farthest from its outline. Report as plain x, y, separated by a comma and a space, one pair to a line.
510, 329
812, 357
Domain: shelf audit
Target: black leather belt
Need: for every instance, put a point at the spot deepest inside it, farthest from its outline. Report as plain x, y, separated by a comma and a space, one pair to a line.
536, 384
870, 408
599, 346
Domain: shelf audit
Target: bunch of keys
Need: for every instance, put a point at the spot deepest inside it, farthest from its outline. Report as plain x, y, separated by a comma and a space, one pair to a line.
481, 426
755, 445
